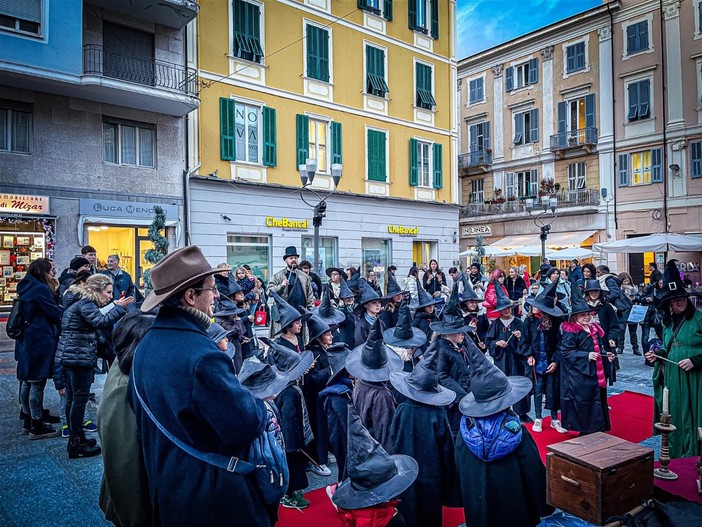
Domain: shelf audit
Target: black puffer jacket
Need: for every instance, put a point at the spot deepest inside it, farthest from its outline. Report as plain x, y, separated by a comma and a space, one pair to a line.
82, 317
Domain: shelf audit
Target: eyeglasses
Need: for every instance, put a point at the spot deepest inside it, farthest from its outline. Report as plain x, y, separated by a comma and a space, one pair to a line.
212, 289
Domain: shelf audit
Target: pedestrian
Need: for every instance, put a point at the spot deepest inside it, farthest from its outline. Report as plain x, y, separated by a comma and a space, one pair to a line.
655, 275
474, 317
604, 315
347, 328
576, 273
221, 337
653, 319
245, 280
420, 429
205, 405
502, 477
335, 275
433, 279
367, 310
391, 303
372, 280
412, 286
404, 339
315, 280
632, 293
326, 310
589, 273
514, 284
289, 324
425, 315
123, 285
89, 253
228, 316
68, 275
225, 281
36, 347
497, 279
291, 284
563, 290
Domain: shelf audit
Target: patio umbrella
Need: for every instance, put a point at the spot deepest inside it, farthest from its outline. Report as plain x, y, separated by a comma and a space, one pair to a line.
529, 250
490, 252
653, 243
569, 253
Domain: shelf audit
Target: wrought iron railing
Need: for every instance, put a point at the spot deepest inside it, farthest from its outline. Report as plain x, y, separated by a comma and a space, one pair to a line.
475, 158
574, 138
497, 205
157, 73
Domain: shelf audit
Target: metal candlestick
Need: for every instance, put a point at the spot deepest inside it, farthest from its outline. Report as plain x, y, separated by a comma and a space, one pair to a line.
665, 428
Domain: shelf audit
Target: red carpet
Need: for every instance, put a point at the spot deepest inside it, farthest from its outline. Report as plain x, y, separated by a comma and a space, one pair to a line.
631, 416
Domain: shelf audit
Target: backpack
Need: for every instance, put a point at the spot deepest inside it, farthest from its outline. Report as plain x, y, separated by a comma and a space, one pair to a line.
16, 322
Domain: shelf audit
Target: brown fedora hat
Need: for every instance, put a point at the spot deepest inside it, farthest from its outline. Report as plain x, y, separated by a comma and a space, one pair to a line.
175, 272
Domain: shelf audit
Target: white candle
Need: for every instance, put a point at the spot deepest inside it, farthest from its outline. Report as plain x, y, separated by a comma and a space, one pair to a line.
665, 400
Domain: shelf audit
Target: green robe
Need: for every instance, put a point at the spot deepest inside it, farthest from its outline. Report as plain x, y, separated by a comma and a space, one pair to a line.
685, 387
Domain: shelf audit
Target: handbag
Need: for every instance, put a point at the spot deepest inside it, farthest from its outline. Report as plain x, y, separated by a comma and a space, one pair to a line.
15, 321
261, 316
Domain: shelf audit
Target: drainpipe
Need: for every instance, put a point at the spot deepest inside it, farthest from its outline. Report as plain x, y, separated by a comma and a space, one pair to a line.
615, 163
664, 168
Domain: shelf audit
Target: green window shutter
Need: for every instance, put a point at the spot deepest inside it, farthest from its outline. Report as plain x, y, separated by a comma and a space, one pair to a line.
425, 98
336, 142
227, 132
412, 17
435, 19
302, 125
387, 10
317, 53
270, 148
376, 155
375, 72
438, 172
414, 163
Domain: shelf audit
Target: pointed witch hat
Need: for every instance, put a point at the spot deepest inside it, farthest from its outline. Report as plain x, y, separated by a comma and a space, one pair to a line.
468, 291
422, 383
491, 390
263, 380
353, 280
673, 286
577, 302
547, 301
326, 311
316, 327
425, 299
367, 294
393, 288
372, 361
289, 362
337, 353
328, 271
452, 320
226, 308
287, 314
503, 301
345, 291
374, 475
403, 335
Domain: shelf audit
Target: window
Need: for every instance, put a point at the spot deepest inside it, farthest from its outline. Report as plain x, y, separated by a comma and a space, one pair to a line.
479, 137
377, 255
15, 128
375, 72
128, 54
511, 189
526, 127
129, 143
376, 148
637, 37
575, 57
576, 176
696, 159
313, 141
425, 164
521, 184
318, 132
251, 250
476, 90
640, 168
247, 31
639, 105
377, 7
522, 75
424, 16
327, 253
424, 95
477, 190
21, 16
317, 40
242, 136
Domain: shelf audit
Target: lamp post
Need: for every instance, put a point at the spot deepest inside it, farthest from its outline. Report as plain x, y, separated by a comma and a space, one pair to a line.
307, 173
545, 226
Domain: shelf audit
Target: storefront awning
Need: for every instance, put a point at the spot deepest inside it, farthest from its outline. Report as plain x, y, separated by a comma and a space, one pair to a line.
556, 240
139, 222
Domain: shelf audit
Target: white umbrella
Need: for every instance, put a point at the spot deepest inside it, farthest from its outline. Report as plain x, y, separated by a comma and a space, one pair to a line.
528, 250
490, 252
569, 253
653, 243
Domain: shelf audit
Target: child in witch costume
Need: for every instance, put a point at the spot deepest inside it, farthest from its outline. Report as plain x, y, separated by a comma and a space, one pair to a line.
403, 339
289, 324
294, 418
585, 367
347, 328
539, 343
424, 315
328, 313
371, 364
367, 498
503, 480
420, 429
606, 317
228, 317
366, 311
391, 303
470, 305
504, 342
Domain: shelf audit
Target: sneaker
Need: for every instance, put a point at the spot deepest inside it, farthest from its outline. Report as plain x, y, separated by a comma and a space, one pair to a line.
46, 417
40, 430
89, 426
537, 426
320, 470
302, 503
296, 501
65, 432
556, 425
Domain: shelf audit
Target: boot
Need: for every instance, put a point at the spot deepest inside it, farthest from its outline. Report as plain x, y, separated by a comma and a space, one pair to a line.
48, 418
26, 423
79, 447
40, 430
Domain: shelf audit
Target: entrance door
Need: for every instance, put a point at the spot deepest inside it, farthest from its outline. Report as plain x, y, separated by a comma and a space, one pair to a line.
636, 268
143, 244
423, 252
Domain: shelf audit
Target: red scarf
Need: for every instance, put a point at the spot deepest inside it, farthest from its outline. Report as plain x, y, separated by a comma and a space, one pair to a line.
599, 366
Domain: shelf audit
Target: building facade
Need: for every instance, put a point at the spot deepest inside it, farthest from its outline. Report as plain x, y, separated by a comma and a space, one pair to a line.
93, 96
363, 87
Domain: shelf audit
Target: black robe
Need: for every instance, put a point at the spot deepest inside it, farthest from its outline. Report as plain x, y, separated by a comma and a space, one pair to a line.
507, 492
482, 325
389, 318
530, 347
509, 360
422, 432
362, 330
609, 322
336, 400
375, 405
454, 374
347, 328
314, 382
289, 402
422, 320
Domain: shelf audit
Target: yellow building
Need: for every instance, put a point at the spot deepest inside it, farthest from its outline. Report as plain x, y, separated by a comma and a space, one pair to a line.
365, 84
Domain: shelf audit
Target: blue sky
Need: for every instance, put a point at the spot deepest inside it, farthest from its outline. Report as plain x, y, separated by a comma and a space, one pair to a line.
483, 24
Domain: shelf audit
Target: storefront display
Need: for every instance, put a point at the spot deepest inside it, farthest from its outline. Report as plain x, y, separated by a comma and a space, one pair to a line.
376, 257
253, 251
17, 251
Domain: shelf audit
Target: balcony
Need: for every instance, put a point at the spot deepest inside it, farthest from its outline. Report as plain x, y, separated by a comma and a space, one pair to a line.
583, 138
170, 13
476, 162
583, 200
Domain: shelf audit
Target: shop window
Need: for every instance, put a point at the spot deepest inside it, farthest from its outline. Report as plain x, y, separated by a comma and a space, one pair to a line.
17, 250
377, 255
21, 17
128, 143
327, 253
15, 127
252, 250
247, 31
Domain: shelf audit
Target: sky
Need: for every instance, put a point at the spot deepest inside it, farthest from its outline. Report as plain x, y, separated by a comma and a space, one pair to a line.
483, 24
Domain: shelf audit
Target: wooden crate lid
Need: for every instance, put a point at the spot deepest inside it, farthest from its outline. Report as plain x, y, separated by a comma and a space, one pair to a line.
599, 450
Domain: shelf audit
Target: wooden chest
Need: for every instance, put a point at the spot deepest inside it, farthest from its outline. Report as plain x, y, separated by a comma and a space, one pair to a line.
598, 475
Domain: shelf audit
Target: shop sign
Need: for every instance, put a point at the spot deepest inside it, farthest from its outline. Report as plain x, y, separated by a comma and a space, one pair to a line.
125, 209
402, 230
288, 224
22, 204
476, 230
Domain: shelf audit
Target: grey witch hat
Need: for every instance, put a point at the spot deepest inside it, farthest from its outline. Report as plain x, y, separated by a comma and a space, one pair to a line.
673, 286
468, 291
491, 390
374, 475
263, 380
345, 291
547, 301
353, 280
290, 363
593, 284
316, 327
287, 314
403, 335
336, 354
326, 311
577, 302
425, 299
217, 332
452, 320
393, 288
422, 383
227, 308
372, 361
366, 294
503, 301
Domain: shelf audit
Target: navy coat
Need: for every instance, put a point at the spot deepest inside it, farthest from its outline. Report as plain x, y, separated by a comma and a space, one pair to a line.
34, 352
336, 401
347, 329
190, 387
530, 348
122, 283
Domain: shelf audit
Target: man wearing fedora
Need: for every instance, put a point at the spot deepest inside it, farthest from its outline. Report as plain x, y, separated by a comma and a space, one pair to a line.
182, 381
292, 284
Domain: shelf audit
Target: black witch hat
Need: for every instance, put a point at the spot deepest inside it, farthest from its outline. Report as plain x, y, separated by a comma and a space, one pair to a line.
336, 354
503, 301
367, 294
345, 290
422, 383
491, 390
373, 361
547, 301
452, 321
425, 299
263, 380
577, 302
287, 314
227, 308
328, 271
673, 286
403, 335
353, 280
468, 291
290, 363
326, 311
374, 475
393, 288
592, 284
316, 327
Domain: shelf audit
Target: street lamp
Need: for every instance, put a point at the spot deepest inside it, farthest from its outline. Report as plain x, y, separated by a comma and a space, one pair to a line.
545, 226
307, 173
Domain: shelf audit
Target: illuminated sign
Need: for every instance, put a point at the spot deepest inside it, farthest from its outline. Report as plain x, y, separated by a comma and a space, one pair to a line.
403, 231
287, 223
475, 230
21, 204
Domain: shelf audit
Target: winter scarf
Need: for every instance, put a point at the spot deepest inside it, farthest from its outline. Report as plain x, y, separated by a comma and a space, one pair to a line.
492, 438
201, 317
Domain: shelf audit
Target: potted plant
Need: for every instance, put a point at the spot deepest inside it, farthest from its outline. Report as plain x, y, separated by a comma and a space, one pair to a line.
547, 186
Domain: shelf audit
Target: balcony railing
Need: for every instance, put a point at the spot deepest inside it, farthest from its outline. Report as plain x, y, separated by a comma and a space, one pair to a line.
517, 205
475, 158
574, 138
156, 73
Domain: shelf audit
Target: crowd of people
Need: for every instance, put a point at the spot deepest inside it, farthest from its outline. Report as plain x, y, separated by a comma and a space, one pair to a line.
418, 392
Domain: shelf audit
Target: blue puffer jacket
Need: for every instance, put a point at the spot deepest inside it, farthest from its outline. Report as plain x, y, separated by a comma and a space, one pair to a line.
82, 317
494, 437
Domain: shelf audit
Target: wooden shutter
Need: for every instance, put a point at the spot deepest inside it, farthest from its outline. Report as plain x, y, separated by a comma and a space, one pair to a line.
486, 134
227, 129
317, 53
434, 18
644, 98
414, 162
562, 124
270, 149
657, 165
376, 156
518, 128
509, 79
438, 170
302, 127
412, 16
534, 125
387, 10
631, 39
696, 159
623, 170
337, 146
533, 71
633, 112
